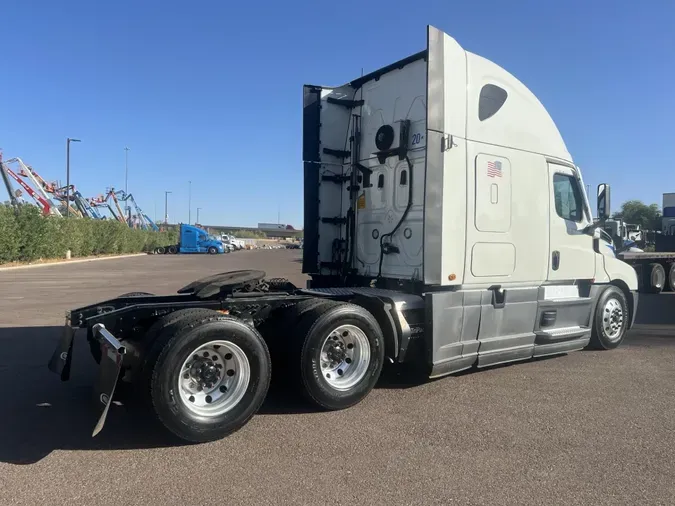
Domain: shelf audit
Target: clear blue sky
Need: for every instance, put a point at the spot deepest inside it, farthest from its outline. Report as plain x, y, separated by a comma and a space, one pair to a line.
211, 91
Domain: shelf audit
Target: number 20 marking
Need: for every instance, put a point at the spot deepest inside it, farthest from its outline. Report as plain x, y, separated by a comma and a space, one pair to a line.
416, 138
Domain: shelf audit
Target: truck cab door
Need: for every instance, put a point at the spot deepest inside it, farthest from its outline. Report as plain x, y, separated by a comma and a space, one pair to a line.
189, 241
202, 240
571, 253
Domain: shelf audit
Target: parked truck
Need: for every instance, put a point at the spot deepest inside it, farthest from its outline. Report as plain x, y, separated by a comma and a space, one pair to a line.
655, 269
446, 226
229, 239
193, 240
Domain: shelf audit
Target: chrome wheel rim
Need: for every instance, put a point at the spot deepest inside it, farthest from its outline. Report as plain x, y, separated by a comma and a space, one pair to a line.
214, 378
345, 356
612, 319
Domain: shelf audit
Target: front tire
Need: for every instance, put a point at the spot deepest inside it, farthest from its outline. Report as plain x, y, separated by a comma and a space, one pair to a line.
228, 371
610, 320
340, 350
212, 250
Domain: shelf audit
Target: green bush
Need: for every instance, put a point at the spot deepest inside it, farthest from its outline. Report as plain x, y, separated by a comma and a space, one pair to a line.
27, 235
249, 234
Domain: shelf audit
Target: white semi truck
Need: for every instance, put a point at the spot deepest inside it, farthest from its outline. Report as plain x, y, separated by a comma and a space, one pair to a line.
446, 226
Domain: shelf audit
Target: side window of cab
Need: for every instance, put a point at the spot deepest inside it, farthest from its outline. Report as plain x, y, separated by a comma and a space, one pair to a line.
568, 202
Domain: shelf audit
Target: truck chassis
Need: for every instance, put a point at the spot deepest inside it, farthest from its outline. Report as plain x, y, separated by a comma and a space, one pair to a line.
201, 359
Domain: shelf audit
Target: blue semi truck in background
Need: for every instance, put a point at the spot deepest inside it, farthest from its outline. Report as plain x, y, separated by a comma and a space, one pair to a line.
193, 239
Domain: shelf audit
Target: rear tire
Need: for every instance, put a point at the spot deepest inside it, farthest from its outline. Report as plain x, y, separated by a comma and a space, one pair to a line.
339, 352
160, 250
654, 278
275, 330
231, 399
671, 277
610, 320
172, 250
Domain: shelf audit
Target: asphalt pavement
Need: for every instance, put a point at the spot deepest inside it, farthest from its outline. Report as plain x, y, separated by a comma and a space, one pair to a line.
587, 428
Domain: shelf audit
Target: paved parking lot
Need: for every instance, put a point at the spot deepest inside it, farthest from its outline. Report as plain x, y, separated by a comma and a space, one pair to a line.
586, 428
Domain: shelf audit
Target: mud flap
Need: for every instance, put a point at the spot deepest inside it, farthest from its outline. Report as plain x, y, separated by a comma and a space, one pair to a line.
63, 354
112, 353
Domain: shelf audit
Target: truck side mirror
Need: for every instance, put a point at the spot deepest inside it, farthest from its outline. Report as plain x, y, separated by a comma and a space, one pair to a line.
603, 201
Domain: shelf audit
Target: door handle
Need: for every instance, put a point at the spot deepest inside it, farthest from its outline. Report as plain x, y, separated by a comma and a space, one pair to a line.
555, 260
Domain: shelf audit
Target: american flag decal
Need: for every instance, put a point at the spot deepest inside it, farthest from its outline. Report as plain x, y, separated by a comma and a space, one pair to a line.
494, 169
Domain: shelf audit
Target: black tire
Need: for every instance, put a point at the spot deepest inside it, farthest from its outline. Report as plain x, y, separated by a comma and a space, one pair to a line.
160, 250
174, 343
275, 330
600, 339
671, 277
655, 278
212, 250
315, 326
142, 370
172, 250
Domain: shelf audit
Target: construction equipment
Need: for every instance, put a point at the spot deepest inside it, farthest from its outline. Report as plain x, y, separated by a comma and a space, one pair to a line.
44, 204
14, 195
144, 220
84, 206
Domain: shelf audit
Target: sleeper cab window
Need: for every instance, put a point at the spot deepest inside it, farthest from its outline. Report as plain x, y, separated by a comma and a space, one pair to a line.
492, 98
568, 201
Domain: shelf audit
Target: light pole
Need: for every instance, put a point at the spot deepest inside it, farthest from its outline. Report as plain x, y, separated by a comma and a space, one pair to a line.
190, 202
68, 141
126, 169
166, 212
126, 179
197, 223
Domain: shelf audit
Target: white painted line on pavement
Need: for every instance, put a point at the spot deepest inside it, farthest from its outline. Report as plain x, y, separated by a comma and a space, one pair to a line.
68, 262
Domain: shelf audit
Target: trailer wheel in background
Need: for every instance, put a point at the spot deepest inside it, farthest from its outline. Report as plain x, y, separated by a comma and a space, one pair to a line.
671, 277
210, 376
340, 352
172, 250
610, 320
654, 278
212, 250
